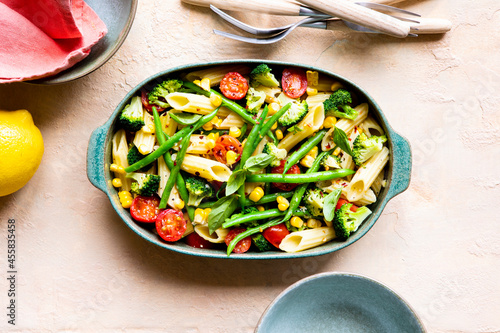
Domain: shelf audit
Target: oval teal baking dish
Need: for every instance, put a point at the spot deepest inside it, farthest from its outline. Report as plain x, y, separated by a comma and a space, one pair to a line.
99, 159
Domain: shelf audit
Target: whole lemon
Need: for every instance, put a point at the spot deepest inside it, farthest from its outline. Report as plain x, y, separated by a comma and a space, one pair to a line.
21, 150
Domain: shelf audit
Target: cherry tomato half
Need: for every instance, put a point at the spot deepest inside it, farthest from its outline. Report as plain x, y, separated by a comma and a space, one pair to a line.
294, 82
195, 240
341, 202
145, 103
279, 169
224, 144
145, 209
170, 225
234, 86
275, 234
243, 245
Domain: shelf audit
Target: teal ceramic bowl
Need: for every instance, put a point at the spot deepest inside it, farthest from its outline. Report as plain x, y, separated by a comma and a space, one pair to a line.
99, 159
339, 302
118, 15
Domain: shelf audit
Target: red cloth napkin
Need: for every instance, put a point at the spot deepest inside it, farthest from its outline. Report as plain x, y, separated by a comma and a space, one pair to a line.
39, 38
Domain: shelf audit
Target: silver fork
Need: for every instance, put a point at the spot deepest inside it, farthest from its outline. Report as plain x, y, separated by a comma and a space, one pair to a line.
276, 34
316, 21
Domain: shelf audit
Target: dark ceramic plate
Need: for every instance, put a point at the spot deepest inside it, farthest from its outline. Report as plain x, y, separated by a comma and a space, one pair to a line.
99, 159
339, 302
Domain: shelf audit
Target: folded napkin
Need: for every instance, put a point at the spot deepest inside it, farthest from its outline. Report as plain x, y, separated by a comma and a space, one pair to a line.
39, 38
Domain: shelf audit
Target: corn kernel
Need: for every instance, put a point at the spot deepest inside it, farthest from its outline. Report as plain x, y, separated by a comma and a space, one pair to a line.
261, 208
282, 200
273, 108
180, 204
336, 86
217, 121
337, 151
312, 78
208, 126
117, 182
283, 207
117, 168
207, 211
313, 152
216, 100
126, 203
275, 126
234, 132
210, 144
311, 91
199, 216
197, 82
213, 136
243, 143
307, 161
279, 134
205, 84
297, 222
329, 122
143, 149
231, 157
256, 194
313, 223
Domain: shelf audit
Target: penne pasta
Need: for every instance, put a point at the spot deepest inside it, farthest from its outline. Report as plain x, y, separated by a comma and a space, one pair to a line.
306, 239
144, 141
316, 99
370, 127
119, 156
190, 103
198, 144
174, 200
231, 120
379, 182
168, 125
271, 93
366, 174
206, 168
308, 126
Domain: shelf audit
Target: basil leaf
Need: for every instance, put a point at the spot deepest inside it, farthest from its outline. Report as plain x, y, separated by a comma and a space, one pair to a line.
330, 203
221, 210
341, 140
185, 118
258, 162
236, 180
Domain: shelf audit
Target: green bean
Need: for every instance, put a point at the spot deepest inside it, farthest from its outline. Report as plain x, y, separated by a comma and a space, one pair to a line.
233, 106
299, 178
181, 185
250, 232
166, 146
267, 214
252, 137
303, 150
174, 172
265, 130
243, 130
268, 198
301, 189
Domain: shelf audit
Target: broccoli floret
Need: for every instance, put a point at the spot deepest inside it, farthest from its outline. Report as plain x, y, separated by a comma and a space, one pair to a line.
198, 189
365, 147
158, 94
331, 162
261, 243
255, 99
294, 114
346, 221
134, 156
262, 75
314, 200
278, 154
340, 99
132, 116
145, 184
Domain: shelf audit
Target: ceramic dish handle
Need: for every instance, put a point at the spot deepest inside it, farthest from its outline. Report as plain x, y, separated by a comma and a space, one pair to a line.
95, 159
401, 167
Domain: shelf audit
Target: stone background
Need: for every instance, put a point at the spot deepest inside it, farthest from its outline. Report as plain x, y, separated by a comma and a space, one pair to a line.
437, 244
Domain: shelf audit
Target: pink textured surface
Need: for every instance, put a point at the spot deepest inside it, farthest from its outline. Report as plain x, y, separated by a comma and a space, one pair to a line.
42, 38
437, 244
